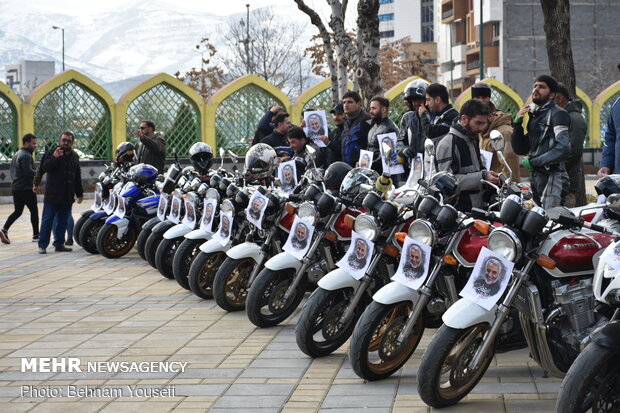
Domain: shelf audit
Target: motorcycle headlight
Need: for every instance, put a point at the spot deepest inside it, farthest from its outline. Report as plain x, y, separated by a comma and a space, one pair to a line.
505, 243
182, 182
195, 183
213, 194
102, 175
227, 207
202, 189
308, 213
367, 227
422, 231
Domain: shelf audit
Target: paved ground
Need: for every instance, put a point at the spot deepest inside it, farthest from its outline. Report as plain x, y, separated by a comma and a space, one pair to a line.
79, 305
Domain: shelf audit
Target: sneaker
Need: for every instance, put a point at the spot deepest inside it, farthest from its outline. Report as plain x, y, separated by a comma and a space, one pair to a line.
62, 248
69, 242
4, 236
42, 251
35, 238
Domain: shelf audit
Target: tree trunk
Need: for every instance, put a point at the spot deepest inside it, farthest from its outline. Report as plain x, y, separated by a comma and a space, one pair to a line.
557, 30
367, 70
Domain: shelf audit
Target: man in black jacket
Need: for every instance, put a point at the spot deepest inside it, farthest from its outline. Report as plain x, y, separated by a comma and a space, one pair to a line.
22, 173
437, 102
277, 138
153, 146
63, 185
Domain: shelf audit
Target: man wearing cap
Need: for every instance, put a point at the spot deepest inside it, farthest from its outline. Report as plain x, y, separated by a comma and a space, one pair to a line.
502, 122
332, 154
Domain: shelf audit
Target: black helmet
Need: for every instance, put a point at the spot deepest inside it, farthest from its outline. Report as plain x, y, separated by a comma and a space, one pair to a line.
260, 162
201, 156
125, 152
356, 184
334, 175
608, 185
415, 89
447, 185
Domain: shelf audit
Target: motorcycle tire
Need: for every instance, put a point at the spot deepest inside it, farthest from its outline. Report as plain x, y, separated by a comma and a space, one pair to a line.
202, 272
318, 332
164, 255
88, 235
150, 248
593, 374
266, 293
374, 352
110, 246
78, 226
183, 259
143, 236
230, 284
437, 392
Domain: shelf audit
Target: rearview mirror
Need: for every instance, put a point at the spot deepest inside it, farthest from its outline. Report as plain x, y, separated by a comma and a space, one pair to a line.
222, 152
497, 140
613, 201
311, 151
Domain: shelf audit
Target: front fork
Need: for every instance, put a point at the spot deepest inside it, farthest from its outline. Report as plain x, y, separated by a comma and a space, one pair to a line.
263, 255
305, 263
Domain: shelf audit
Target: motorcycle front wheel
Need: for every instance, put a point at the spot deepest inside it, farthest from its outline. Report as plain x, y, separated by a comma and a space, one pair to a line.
164, 255
78, 226
318, 331
143, 236
266, 305
230, 284
150, 248
592, 382
444, 376
183, 259
375, 352
202, 272
88, 235
110, 246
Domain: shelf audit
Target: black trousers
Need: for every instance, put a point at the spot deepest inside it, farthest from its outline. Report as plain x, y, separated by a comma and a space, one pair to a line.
21, 199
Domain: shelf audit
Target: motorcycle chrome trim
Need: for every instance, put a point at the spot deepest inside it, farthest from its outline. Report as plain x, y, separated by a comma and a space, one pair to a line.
395, 292
528, 302
199, 234
177, 231
337, 279
512, 236
213, 245
305, 262
536, 337
282, 261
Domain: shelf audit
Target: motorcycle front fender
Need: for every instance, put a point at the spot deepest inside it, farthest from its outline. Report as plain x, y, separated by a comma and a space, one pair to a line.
245, 250
283, 261
395, 293
162, 227
608, 336
177, 231
212, 246
337, 279
465, 313
98, 215
148, 225
198, 234
121, 223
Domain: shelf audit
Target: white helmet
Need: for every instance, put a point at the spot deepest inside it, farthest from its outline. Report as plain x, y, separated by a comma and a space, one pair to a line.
201, 156
416, 89
260, 162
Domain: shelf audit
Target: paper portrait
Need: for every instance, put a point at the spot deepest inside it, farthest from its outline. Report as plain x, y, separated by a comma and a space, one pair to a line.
109, 206
161, 208
414, 266
189, 219
299, 239
389, 156
316, 125
225, 230
97, 203
417, 171
208, 213
358, 256
120, 209
611, 255
256, 209
287, 173
489, 279
175, 210
365, 159
487, 158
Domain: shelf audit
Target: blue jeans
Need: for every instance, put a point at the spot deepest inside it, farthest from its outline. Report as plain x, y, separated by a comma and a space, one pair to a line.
70, 223
51, 213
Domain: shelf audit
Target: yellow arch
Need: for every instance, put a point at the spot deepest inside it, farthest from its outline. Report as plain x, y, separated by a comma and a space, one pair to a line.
306, 96
595, 115
237, 84
125, 100
17, 104
587, 102
466, 94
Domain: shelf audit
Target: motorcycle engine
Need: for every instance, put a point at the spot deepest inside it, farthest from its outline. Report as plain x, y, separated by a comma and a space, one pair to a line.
317, 270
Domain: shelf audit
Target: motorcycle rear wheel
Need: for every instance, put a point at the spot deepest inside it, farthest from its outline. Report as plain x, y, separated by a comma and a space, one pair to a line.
230, 284
202, 272
266, 306
110, 246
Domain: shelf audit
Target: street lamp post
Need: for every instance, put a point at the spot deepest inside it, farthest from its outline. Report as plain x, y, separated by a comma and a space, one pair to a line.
63, 45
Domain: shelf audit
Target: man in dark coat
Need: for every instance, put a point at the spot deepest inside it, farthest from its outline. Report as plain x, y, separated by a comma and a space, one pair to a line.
63, 185
153, 148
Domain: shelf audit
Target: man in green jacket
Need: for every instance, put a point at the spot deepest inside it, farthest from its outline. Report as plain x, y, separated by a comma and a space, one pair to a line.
153, 148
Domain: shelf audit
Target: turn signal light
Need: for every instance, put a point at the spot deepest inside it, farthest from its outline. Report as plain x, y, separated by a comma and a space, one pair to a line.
290, 208
400, 237
450, 259
482, 227
331, 236
184, 196
545, 262
349, 221
391, 250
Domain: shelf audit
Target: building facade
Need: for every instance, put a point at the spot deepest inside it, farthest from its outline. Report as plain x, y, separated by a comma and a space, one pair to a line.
24, 77
411, 19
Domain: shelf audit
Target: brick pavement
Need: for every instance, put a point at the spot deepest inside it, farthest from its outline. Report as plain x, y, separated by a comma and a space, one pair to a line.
80, 305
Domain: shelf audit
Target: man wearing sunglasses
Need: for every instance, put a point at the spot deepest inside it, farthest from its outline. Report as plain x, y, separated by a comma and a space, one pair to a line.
153, 148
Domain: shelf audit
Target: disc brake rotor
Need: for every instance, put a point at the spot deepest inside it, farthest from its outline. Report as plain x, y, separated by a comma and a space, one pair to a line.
277, 303
389, 347
331, 326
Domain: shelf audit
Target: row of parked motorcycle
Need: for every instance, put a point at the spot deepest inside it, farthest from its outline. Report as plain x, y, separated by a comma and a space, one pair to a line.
562, 299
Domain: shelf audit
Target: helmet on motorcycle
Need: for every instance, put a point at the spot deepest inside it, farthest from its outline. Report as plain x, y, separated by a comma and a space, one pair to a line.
143, 173
260, 162
201, 156
334, 175
608, 185
125, 152
356, 184
415, 89
447, 185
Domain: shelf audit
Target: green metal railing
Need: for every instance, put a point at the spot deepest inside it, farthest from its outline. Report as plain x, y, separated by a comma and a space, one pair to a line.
8, 129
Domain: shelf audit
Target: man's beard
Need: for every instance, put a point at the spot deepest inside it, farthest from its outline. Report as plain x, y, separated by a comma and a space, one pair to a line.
540, 100
413, 272
254, 214
357, 263
299, 244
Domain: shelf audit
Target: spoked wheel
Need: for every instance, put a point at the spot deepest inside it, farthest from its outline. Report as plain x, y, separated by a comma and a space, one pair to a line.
266, 305
165, 254
88, 235
143, 236
110, 246
230, 285
444, 376
183, 259
78, 226
202, 272
319, 331
375, 352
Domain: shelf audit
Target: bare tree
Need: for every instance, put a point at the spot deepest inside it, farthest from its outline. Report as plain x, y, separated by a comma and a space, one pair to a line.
209, 78
557, 30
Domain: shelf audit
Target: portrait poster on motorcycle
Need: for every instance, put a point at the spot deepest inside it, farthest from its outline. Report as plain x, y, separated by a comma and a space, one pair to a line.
109, 206
358, 256
256, 209
487, 158
417, 171
224, 231
365, 159
161, 208
287, 174
489, 279
316, 125
175, 210
389, 156
611, 255
414, 266
120, 209
97, 203
299, 239
206, 224
189, 220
